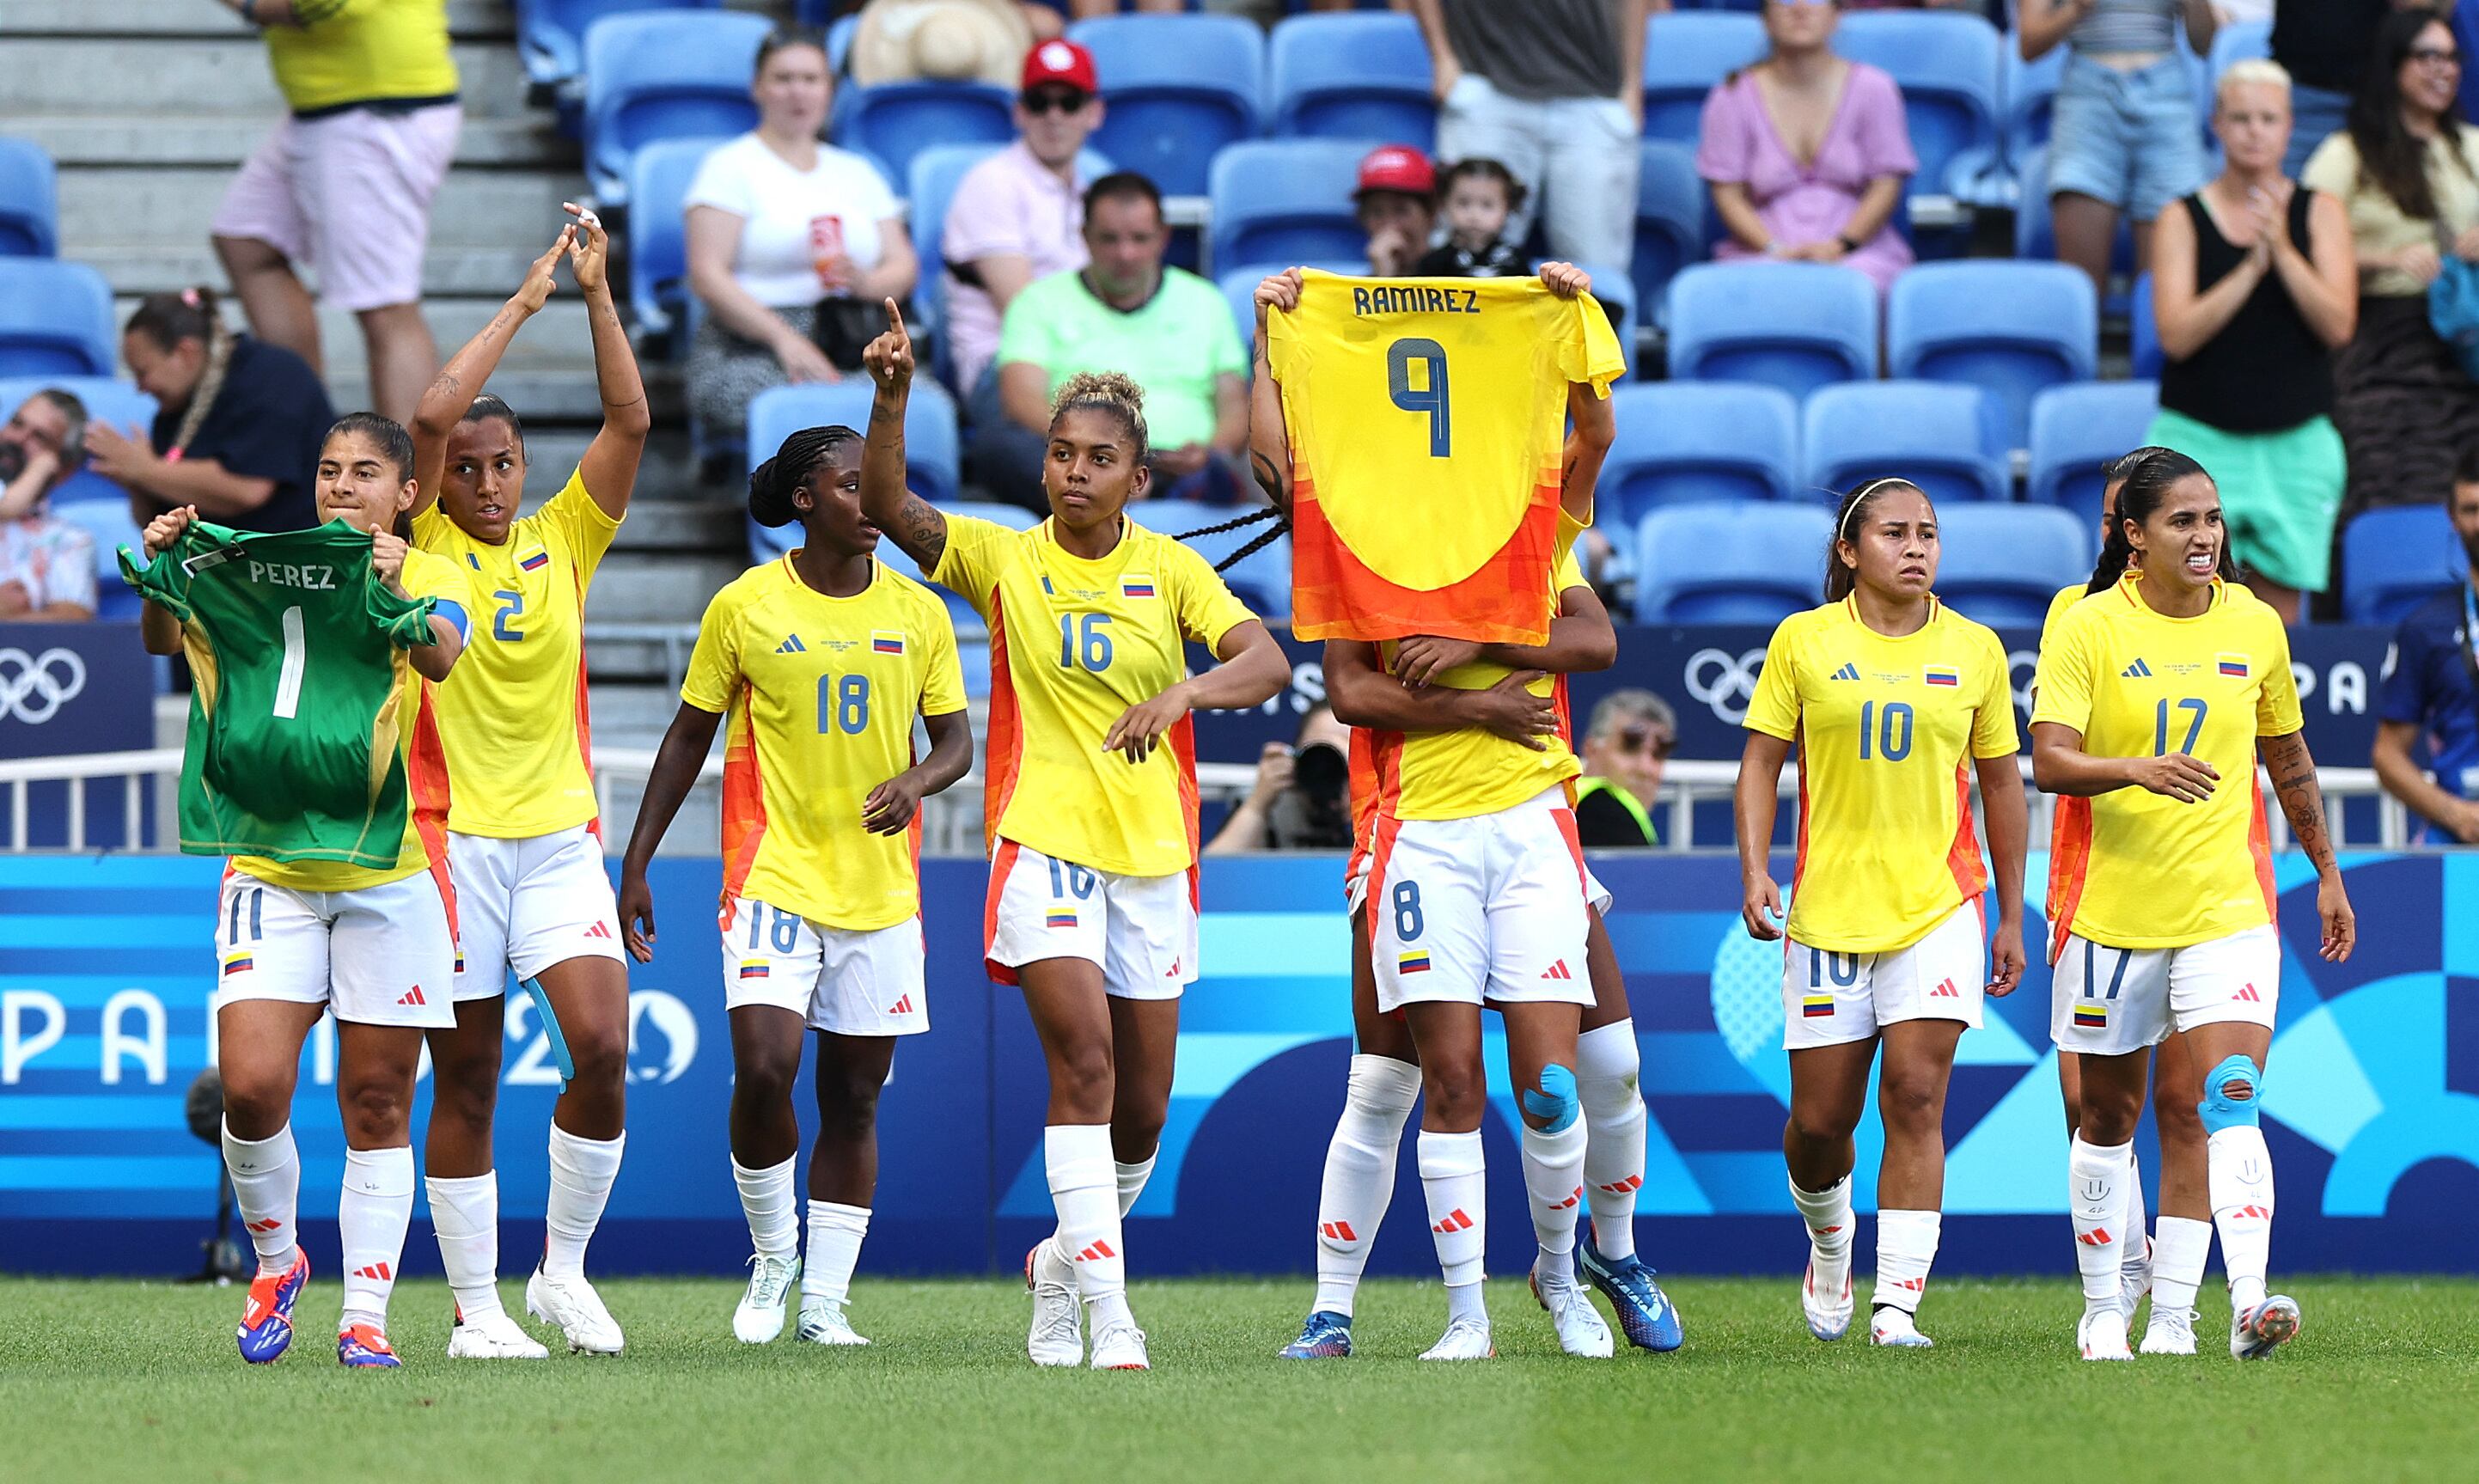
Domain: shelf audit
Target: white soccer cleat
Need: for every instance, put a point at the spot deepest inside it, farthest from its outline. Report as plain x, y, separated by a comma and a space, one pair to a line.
1058, 1334
1465, 1339
2171, 1332
572, 1304
2102, 1337
824, 1323
1581, 1330
493, 1337
759, 1317
2134, 1280
1891, 1326
1828, 1305
1119, 1346
2256, 1332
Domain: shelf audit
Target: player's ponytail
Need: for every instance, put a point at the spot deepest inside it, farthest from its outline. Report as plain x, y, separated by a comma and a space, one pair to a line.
2150, 473
169, 319
1849, 520
1111, 392
771, 484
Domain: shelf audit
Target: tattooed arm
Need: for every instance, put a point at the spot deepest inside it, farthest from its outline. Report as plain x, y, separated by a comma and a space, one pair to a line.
914, 522
1269, 437
2302, 801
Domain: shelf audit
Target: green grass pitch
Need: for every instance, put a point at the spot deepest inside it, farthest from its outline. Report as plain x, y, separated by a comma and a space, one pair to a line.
123, 1380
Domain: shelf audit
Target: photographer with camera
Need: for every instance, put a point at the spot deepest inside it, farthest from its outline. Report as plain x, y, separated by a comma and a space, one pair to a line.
46, 563
1302, 800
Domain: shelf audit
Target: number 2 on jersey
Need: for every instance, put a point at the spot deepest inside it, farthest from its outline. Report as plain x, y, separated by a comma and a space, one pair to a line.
1431, 399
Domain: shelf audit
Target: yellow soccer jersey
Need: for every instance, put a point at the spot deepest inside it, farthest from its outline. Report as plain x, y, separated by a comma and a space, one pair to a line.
2138, 870
1887, 731
339, 53
2066, 597
512, 714
425, 763
1074, 644
822, 693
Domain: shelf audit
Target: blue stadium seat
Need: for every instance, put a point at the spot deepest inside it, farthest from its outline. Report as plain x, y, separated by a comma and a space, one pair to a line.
1685, 53
1939, 437
2001, 564
1670, 219
1946, 64
30, 201
108, 522
1351, 77
2011, 328
2076, 431
107, 400
2144, 330
894, 121
658, 254
664, 75
1263, 581
1617, 293
2233, 42
1239, 288
1729, 563
2395, 558
1177, 89
1792, 326
1688, 442
931, 453
1286, 201
55, 319
938, 171
2027, 91
550, 32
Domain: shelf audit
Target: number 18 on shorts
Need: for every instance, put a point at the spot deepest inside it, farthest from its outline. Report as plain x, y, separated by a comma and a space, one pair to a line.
843, 981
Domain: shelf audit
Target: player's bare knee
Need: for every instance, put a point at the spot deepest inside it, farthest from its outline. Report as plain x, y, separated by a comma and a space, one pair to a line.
1457, 1092
377, 1113
1913, 1104
600, 1055
1085, 1077
847, 1102
763, 1083
256, 1106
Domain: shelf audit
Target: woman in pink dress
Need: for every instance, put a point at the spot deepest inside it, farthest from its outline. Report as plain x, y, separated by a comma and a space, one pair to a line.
1807, 153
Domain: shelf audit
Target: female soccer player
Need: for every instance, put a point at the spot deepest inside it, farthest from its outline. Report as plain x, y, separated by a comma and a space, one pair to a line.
524, 839
299, 937
1090, 799
1894, 701
2170, 680
822, 658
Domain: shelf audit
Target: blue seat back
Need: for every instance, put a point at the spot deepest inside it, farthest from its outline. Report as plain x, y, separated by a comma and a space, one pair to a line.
2077, 431
664, 74
1941, 437
1695, 442
1287, 202
55, 319
2395, 558
2144, 331
30, 201
2036, 231
1177, 89
1263, 580
1946, 65
2233, 42
2026, 94
1729, 563
932, 455
1239, 288
894, 121
1616, 292
2012, 328
1670, 218
658, 264
1794, 325
1685, 53
550, 34
1353, 76
2001, 564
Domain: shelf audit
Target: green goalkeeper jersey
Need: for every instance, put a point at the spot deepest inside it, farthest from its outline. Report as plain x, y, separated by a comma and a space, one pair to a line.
311, 759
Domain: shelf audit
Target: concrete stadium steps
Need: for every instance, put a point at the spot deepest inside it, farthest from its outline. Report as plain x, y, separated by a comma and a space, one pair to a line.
85, 74
167, 19
168, 206
77, 139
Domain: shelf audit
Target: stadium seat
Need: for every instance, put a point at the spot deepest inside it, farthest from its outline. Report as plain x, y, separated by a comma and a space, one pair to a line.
1669, 220
1351, 77
1946, 64
1263, 581
1238, 286
1617, 293
55, 319
1687, 441
937, 171
2235, 42
1941, 437
658, 262
1792, 326
664, 75
894, 121
1286, 201
2144, 331
1177, 89
1685, 53
2395, 558
2011, 328
30, 201
550, 34
108, 522
2076, 431
2027, 91
932, 455
2001, 564
1729, 563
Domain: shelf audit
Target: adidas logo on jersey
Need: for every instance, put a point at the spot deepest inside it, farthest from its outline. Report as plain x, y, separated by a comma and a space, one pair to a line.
1849, 672
792, 646
1557, 970
2137, 670
411, 996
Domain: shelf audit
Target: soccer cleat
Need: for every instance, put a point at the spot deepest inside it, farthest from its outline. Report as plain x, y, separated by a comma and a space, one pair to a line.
2102, 1336
1646, 1317
1119, 1346
266, 1319
1891, 1326
572, 1304
1829, 1317
2256, 1332
759, 1317
1326, 1335
365, 1348
824, 1323
1058, 1334
493, 1337
2171, 1332
1465, 1339
1579, 1325
2134, 1280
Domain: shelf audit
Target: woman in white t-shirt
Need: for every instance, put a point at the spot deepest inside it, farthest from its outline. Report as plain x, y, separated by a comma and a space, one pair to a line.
782, 228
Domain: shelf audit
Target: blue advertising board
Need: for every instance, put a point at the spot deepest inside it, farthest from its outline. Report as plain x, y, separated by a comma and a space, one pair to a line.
69, 688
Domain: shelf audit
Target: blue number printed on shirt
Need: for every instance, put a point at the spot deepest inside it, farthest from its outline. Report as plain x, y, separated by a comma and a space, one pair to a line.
511, 605
1892, 730
257, 908
843, 705
1065, 877
1843, 968
1096, 642
1431, 400
1407, 911
2116, 980
2194, 728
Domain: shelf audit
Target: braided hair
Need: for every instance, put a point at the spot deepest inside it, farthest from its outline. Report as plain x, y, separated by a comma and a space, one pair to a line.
2148, 482
771, 484
1281, 528
169, 319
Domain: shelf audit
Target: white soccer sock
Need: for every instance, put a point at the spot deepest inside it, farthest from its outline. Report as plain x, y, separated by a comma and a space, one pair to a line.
1132, 1180
2133, 1252
582, 1173
1553, 1175
1083, 1189
835, 1234
1360, 1173
2096, 1182
2178, 1257
464, 1216
1906, 1244
2238, 1173
266, 1189
772, 1204
371, 1216
1607, 1065
1453, 1178
1828, 1214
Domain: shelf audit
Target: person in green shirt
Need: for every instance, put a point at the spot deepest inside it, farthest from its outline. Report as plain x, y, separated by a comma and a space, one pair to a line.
1630, 737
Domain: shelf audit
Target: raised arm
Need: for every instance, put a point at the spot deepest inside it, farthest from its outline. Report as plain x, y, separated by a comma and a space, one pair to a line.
1270, 435
2302, 801
1754, 800
677, 766
611, 459
1595, 423
2041, 24
914, 522
443, 404
156, 628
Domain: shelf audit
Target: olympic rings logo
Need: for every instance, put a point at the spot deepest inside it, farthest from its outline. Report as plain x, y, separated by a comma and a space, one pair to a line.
33, 687
1723, 682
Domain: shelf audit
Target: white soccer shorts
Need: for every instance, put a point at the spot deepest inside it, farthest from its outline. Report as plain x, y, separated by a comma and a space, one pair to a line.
1141, 929
1355, 889
2107, 1002
848, 982
527, 904
379, 955
1830, 998
1487, 908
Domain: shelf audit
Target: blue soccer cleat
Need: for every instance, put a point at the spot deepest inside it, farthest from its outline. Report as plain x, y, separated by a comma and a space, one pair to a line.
1326, 1335
267, 1320
1646, 1317
365, 1348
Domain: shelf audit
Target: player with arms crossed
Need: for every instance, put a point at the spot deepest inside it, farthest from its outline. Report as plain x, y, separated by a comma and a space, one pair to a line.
2157, 696
1895, 703
822, 658
522, 830
1091, 801
363, 926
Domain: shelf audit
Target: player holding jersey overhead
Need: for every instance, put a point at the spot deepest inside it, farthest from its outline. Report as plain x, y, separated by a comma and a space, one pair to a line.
1091, 801
1895, 703
522, 827
2157, 696
314, 652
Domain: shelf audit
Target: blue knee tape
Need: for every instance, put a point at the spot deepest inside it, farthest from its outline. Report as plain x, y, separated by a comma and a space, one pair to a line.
2219, 1110
1555, 1102
559, 1053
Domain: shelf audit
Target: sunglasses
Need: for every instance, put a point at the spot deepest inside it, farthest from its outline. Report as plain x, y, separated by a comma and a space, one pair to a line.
1638, 739
1054, 100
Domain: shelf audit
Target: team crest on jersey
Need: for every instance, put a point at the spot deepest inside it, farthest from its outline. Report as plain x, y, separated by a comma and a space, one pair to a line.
1945, 675
2232, 667
535, 562
1136, 587
884, 641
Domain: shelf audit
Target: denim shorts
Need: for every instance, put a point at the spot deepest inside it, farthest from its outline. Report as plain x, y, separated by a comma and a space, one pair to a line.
2130, 138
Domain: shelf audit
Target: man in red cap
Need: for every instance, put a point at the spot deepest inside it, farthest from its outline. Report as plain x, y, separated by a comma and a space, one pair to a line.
1398, 199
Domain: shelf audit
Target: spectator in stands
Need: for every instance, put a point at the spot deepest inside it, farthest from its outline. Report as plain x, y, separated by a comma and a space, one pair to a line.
1124, 310
1632, 736
1020, 215
1480, 196
1555, 90
943, 41
792, 243
2432, 696
2254, 286
1806, 152
46, 565
1302, 798
2122, 141
238, 421
2407, 170
1396, 199
374, 119
2324, 45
